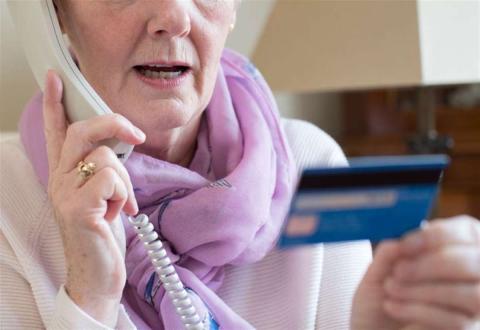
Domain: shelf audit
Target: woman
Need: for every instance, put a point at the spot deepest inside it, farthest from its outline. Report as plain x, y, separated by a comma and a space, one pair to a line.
214, 170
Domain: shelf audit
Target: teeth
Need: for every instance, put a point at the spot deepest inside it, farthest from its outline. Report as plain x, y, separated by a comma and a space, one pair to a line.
158, 66
160, 74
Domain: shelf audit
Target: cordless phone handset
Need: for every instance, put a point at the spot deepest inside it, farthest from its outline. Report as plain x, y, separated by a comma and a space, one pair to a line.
38, 28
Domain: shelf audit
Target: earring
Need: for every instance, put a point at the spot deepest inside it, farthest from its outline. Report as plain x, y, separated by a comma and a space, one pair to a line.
232, 26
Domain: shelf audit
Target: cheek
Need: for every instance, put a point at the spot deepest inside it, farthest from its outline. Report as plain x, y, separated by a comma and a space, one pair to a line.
210, 54
209, 42
214, 24
106, 49
101, 38
216, 10
104, 59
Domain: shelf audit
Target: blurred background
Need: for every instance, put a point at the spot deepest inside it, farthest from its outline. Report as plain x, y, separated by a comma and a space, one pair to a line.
383, 77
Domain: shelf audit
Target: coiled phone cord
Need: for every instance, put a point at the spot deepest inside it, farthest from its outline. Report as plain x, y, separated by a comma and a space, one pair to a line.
167, 274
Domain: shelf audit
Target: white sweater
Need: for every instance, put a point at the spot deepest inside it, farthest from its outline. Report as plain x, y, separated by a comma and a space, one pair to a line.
323, 278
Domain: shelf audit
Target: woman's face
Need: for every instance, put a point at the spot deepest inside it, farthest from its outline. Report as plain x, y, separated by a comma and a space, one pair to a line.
153, 61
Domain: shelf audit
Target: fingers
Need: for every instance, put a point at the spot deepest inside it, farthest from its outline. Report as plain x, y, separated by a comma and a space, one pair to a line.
461, 230
435, 282
452, 263
55, 122
430, 316
104, 157
83, 136
463, 297
105, 190
386, 254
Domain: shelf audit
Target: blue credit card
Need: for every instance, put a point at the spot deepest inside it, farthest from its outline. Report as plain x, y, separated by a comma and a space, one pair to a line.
375, 198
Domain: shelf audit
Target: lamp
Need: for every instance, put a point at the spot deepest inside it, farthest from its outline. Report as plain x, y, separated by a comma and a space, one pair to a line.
333, 45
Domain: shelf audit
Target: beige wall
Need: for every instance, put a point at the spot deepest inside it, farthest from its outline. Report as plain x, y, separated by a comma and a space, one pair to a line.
17, 83
319, 108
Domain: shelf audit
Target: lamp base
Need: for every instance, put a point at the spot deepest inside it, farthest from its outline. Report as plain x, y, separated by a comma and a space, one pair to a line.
431, 143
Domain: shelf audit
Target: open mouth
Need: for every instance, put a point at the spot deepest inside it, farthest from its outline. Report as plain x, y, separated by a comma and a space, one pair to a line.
153, 71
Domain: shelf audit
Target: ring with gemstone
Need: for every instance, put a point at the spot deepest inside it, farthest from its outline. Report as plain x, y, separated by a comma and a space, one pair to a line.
85, 169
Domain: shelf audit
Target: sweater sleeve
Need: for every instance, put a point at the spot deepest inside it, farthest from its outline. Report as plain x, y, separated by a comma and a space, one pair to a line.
31, 295
18, 307
69, 316
311, 146
344, 264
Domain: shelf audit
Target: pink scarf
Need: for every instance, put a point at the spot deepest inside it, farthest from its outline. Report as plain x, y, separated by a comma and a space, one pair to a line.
226, 208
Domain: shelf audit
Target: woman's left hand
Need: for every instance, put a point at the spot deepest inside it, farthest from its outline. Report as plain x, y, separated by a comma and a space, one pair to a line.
430, 279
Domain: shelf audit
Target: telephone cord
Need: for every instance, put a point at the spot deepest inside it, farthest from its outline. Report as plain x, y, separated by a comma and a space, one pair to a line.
167, 274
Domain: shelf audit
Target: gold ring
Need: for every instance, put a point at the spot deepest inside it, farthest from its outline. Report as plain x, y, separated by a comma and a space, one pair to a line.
86, 170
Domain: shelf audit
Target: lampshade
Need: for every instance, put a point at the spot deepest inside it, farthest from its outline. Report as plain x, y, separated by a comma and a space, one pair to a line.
339, 44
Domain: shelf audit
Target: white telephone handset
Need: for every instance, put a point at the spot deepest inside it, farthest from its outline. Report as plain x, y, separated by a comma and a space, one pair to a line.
38, 28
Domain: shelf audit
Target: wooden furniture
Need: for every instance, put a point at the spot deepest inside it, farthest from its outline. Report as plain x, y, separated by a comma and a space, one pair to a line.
375, 124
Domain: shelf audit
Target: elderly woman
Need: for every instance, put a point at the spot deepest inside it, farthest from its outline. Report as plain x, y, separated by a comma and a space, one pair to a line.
215, 168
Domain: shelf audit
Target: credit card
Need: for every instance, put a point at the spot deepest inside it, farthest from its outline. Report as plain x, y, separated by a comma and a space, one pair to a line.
374, 198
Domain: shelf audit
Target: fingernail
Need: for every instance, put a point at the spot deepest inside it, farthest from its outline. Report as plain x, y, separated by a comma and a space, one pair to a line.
139, 133
48, 86
413, 243
135, 206
55, 82
47, 76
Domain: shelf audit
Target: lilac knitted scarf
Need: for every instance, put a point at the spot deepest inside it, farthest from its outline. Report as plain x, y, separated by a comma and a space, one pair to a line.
226, 208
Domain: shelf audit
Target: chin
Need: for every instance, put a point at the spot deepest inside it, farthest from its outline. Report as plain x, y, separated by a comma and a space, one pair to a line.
169, 116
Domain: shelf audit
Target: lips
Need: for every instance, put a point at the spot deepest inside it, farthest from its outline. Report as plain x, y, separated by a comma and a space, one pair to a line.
164, 76
162, 71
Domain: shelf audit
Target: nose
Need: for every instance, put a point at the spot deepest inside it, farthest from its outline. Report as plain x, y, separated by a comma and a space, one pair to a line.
169, 17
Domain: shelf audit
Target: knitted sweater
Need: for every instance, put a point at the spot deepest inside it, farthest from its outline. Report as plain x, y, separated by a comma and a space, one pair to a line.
305, 288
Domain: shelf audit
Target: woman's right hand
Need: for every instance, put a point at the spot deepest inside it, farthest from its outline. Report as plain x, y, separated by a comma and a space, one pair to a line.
88, 209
